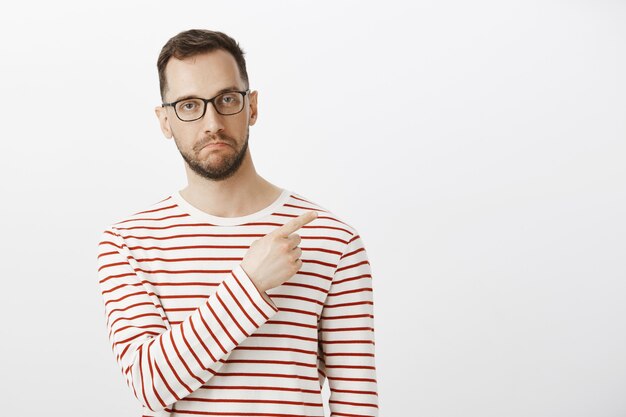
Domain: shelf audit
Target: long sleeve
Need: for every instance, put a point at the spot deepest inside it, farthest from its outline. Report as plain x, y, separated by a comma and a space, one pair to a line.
163, 363
346, 335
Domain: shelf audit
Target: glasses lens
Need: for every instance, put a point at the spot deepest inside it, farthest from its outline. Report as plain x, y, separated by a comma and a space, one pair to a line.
190, 109
229, 103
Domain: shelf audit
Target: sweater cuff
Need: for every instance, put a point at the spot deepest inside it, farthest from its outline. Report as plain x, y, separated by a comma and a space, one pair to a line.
258, 305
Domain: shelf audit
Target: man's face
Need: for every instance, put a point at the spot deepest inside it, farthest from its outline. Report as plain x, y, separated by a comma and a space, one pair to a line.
204, 76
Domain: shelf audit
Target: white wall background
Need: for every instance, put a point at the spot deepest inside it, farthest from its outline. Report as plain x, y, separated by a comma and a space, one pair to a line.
478, 147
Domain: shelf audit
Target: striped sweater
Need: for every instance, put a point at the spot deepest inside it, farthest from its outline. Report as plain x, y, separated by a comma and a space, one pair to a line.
193, 335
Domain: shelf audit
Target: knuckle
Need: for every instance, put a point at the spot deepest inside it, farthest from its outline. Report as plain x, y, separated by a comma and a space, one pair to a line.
274, 238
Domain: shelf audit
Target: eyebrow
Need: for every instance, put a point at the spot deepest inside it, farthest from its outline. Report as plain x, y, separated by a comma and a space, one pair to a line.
223, 90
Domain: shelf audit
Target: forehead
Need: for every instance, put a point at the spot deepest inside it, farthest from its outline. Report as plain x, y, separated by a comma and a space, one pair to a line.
203, 74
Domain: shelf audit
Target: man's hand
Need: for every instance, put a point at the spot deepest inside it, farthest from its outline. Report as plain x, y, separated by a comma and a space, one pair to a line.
274, 258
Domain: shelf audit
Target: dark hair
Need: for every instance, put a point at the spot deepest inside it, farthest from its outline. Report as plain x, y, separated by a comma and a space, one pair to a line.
196, 41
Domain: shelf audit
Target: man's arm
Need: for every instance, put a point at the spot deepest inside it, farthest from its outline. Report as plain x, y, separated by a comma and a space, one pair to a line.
164, 363
346, 334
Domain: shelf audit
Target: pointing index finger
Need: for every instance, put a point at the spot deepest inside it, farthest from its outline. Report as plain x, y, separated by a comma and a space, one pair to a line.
294, 224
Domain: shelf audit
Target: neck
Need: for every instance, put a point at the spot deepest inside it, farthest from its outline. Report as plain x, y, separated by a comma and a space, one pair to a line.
244, 193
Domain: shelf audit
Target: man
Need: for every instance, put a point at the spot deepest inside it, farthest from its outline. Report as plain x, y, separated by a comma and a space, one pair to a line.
213, 303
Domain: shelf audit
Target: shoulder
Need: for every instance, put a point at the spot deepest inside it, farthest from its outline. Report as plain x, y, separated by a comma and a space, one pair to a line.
151, 214
326, 217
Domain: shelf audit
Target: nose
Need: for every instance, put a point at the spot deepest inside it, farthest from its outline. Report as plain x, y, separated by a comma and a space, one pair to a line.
212, 121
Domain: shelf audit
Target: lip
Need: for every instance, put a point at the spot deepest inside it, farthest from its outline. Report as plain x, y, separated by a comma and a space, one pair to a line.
215, 145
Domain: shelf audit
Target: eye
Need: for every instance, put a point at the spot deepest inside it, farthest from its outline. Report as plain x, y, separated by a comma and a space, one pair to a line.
188, 106
229, 99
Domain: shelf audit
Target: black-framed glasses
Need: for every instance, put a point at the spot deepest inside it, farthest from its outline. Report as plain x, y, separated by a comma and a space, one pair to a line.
226, 104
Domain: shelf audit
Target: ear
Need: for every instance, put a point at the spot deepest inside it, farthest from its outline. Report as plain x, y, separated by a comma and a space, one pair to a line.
161, 114
253, 107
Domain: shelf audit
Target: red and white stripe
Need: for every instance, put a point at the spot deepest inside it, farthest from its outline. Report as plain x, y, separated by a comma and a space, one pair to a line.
193, 335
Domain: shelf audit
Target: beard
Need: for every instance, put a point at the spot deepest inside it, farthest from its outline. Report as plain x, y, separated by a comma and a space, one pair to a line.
225, 165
